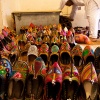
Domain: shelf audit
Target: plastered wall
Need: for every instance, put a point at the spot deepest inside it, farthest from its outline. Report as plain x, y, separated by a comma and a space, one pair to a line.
39, 5
8, 6
1, 21
80, 18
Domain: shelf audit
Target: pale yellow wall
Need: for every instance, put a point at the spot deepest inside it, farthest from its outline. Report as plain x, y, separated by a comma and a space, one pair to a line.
1, 21
8, 6
39, 5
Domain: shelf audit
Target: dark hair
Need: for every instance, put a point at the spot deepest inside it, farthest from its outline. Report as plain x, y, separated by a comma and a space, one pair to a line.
65, 22
69, 3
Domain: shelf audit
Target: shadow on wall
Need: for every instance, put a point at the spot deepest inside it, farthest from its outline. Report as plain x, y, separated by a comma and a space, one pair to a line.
9, 21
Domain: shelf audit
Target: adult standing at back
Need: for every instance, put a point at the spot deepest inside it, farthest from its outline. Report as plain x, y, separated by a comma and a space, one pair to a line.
92, 8
75, 5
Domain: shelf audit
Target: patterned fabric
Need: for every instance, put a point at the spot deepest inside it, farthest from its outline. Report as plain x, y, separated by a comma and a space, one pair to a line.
5, 33
32, 25
88, 51
20, 70
71, 74
69, 33
54, 39
5, 66
63, 33
54, 74
7, 30
44, 53
65, 47
54, 49
59, 28
97, 59
33, 50
22, 40
26, 48
31, 56
22, 37
7, 43
39, 67
89, 73
53, 77
29, 30
77, 50
44, 49
46, 39
97, 52
63, 39
30, 37
38, 41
